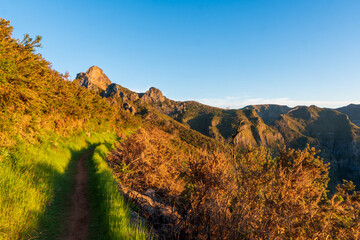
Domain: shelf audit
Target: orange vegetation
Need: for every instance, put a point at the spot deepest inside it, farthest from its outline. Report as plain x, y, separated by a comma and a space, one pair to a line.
230, 193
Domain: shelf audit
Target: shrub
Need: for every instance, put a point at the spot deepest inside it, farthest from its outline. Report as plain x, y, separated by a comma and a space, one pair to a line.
231, 193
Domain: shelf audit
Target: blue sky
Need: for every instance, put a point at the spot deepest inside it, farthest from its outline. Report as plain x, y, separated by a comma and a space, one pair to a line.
222, 53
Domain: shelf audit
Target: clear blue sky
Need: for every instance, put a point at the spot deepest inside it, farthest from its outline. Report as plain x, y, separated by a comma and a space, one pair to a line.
224, 53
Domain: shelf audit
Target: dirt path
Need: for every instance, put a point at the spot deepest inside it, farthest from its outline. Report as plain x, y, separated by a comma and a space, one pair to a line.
79, 216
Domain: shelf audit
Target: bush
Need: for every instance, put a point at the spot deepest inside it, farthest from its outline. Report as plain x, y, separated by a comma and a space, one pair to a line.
237, 194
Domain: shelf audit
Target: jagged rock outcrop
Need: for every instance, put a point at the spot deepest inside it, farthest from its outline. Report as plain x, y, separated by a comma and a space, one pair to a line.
93, 79
122, 96
116, 91
129, 108
153, 95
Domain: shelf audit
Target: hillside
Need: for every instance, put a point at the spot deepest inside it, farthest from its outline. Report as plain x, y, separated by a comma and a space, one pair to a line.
258, 125
192, 173
74, 154
241, 126
46, 125
331, 132
353, 112
269, 112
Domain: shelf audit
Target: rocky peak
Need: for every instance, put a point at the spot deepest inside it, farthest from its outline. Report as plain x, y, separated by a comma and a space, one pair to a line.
153, 95
93, 79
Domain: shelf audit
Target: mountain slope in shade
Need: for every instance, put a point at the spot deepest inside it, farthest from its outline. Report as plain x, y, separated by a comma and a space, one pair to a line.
328, 130
353, 111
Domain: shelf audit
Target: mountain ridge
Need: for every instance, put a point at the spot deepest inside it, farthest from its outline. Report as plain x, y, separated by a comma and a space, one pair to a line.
268, 125
181, 164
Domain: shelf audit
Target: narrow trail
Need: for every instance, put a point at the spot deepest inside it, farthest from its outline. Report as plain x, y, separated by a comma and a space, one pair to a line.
77, 223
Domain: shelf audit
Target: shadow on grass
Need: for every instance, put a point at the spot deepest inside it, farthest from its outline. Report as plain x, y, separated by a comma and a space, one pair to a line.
52, 221
110, 213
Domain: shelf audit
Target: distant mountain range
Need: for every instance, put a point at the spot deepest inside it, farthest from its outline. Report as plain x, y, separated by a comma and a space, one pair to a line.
336, 132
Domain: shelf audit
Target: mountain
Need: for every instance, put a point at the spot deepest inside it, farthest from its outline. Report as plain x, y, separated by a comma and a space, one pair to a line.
150, 106
329, 131
93, 79
353, 111
243, 127
268, 125
269, 112
173, 129
184, 166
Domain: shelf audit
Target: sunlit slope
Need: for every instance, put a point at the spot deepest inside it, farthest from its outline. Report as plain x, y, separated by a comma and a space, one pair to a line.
35, 98
46, 123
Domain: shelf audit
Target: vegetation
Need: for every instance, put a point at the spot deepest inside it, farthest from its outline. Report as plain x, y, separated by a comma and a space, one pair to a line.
35, 99
187, 185
111, 216
35, 184
46, 124
235, 194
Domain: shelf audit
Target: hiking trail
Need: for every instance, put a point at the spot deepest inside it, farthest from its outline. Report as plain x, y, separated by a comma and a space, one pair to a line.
77, 222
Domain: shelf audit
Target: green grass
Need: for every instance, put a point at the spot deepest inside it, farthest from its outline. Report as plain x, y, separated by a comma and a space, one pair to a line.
36, 182
110, 214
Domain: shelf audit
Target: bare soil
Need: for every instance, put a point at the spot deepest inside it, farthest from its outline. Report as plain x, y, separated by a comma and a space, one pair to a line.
77, 223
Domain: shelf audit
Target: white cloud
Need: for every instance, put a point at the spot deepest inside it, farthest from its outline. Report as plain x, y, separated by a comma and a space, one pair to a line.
238, 102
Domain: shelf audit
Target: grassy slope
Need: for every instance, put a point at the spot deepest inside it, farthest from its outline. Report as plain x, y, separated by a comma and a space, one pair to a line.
36, 182
110, 214
46, 123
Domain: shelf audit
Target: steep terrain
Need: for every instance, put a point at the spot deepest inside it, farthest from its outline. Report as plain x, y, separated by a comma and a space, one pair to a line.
93, 79
184, 183
353, 111
328, 130
242, 127
269, 112
46, 124
176, 161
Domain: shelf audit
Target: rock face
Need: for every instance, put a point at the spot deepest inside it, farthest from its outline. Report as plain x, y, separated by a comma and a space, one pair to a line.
122, 96
93, 79
116, 91
153, 95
